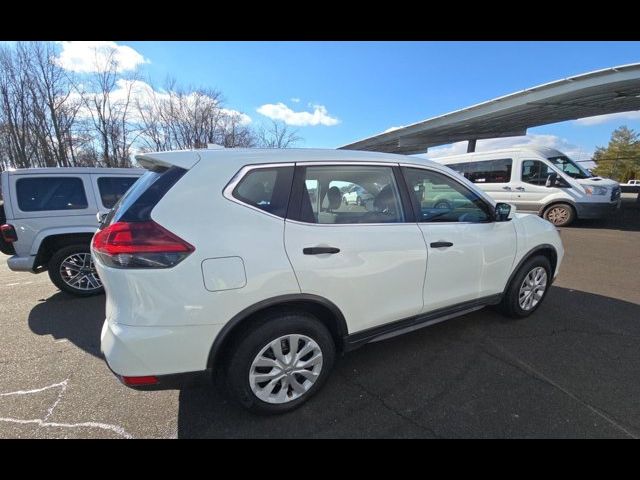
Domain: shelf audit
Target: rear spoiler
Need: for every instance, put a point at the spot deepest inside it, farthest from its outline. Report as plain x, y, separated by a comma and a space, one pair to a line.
184, 159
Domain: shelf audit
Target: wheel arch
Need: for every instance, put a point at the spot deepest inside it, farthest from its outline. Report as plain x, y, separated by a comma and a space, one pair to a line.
545, 249
50, 243
556, 202
325, 310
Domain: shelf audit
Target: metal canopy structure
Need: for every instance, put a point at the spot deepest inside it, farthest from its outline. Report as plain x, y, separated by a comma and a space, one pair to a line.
611, 90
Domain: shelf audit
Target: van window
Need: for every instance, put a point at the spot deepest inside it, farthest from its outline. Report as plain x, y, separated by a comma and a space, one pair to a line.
485, 171
112, 188
535, 172
50, 193
267, 189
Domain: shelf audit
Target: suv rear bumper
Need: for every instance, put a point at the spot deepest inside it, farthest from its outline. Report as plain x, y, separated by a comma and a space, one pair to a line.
160, 352
596, 210
21, 264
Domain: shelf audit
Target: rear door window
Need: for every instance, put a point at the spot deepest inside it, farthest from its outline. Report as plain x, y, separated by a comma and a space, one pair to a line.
112, 188
51, 193
266, 189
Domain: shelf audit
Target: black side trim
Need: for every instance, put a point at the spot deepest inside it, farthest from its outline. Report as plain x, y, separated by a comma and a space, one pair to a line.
173, 381
527, 256
358, 339
281, 300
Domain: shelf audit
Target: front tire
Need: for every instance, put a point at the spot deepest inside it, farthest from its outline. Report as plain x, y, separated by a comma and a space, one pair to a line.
280, 363
71, 269
560, 214
528, 288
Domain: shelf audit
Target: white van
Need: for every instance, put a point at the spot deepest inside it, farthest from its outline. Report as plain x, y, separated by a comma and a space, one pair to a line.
539, 180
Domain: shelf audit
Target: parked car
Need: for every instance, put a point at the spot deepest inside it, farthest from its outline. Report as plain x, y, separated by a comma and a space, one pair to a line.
631, 183
49, 216
218, 263
539, 180
356, 195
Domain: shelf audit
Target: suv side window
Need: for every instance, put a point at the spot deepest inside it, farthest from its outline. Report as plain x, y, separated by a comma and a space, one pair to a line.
438, 198
50, 193
349, 194
266, 188
535, 172
112, 188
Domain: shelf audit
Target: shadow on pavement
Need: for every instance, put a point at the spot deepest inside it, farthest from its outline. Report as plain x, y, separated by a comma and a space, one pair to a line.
569, 370
78, 320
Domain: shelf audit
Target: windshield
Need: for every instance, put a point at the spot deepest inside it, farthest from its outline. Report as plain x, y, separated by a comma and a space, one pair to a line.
569, 167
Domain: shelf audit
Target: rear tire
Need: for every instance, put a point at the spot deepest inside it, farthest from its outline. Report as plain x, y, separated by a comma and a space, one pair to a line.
528, 288
257, 374
560, 214
77, 276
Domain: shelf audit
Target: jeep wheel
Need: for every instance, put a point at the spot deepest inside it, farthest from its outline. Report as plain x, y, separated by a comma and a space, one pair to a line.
71, 269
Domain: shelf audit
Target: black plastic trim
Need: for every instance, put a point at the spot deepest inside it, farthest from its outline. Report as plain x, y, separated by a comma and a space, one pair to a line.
173, 381
355, 340
527, 256
281, 300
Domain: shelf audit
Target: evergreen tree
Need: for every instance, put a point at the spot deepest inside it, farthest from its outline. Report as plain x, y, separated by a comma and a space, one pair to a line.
620, 160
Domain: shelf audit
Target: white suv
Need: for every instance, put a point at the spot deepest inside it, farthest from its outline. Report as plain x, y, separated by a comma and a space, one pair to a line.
49, 216
222, 262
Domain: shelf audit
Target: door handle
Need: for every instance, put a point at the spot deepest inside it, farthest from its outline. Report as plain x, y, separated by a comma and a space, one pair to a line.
521, 189
506, 187
320, 250
440, 244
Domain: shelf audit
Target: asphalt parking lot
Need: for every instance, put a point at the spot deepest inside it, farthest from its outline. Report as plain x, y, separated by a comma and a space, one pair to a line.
570, 370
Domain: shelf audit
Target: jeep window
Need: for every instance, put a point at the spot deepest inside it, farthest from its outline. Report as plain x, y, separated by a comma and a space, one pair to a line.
266, 188
112, 188
349, 195
50, 193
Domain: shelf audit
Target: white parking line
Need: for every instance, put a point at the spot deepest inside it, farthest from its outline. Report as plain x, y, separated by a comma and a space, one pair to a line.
42, 422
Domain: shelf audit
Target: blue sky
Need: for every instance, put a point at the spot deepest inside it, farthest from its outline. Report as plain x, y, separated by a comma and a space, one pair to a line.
358, 89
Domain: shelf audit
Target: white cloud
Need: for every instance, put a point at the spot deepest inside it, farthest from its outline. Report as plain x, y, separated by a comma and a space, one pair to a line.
535, 140
86, 57
598, 119
279, 111
295, 99
391, 129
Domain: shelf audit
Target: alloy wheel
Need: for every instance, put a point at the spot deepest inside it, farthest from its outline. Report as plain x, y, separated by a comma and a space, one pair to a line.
532, 288
285, 369
78, 271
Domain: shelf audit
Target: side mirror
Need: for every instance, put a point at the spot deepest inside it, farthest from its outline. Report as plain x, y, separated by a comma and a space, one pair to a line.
502, 212
100, 216
552, 179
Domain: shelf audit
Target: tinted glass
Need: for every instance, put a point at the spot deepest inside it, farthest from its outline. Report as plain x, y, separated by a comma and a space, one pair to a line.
349, 195
112, 188
535, 172
438, 198
486, 171
50, 193
267, 189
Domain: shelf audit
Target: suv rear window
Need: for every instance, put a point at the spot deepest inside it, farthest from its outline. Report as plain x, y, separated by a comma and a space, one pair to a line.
50, 193
112, 188
136, 204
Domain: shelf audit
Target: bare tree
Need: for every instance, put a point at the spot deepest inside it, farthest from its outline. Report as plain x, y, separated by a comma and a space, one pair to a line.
179, 118
278, 135
108, 102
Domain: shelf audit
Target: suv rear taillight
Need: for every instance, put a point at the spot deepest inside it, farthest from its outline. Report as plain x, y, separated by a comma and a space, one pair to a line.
139, 245
9, 234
